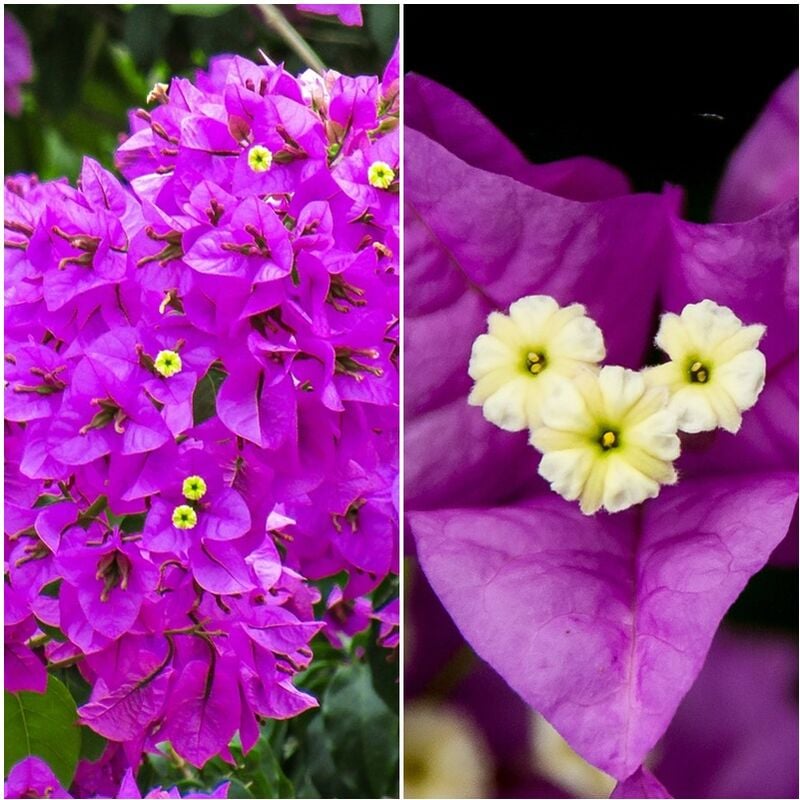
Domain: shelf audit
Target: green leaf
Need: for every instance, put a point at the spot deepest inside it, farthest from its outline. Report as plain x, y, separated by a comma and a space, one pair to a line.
43, 725
92, 744
384, 665
362, 733
204, 400
199, 10
54, 633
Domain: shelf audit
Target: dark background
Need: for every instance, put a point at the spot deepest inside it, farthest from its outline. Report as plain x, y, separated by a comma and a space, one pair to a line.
641, 87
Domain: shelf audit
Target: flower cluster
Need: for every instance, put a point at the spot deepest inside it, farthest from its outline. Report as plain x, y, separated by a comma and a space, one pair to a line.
201, 402
32, 777
609, 436
601, 623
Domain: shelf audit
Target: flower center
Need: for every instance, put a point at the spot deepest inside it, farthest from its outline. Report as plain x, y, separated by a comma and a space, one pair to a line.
184, 517
194, 487
380, 175
168, 363
259, 158
535, 362
698, 372
608, 440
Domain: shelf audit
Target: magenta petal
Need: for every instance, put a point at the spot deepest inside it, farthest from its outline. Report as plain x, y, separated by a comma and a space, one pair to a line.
220, 568
128, 787
33, 777
24, 672
457, 125
227, 518
204, 711
603, 623
348, 13
284, 633
642, 784
123, 713
762, 173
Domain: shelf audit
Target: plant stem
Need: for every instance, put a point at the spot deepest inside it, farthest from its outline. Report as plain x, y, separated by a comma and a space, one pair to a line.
275, 19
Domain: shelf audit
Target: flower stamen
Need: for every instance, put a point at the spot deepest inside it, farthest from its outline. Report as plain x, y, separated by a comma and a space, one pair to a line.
380, 175
608, 440
168, 363
535, 363
259, 158
698, 373
184, 517
194, 487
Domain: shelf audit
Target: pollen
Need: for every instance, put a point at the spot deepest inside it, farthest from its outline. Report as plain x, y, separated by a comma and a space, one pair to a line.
380, 175
698, 373
194, 487
259, 158
184, 517
168, 363
608, 440
535, 362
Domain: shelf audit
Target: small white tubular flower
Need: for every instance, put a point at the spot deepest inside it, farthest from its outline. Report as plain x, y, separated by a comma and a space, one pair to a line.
608, 440
516, 362
556, 761
445, 754
715, 371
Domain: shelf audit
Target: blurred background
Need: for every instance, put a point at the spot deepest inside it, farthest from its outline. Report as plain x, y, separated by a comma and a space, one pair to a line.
666, 94
91, 63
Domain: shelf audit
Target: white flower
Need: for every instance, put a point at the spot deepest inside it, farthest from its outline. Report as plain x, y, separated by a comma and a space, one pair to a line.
516, 362
715, 371
556, 761
608, 439
445, 755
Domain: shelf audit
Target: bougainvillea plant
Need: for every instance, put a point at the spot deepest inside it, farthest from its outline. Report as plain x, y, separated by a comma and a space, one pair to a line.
600, 621
201, 416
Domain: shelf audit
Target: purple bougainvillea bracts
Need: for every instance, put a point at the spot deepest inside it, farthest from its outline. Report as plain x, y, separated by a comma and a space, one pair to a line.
202, 407
603, 623
32, 777
347, 13
17, 63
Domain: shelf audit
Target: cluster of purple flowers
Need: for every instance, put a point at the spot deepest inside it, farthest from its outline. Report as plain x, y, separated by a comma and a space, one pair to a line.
201, 403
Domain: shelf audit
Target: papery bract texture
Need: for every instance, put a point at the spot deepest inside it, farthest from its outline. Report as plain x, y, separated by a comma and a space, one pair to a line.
601, 624
642, 784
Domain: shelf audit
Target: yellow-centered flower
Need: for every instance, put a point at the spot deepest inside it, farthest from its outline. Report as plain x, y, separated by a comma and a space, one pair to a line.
259, 158
524, 352
380, 175
715, 371
168, 363
607, 439
184, 517
194, 487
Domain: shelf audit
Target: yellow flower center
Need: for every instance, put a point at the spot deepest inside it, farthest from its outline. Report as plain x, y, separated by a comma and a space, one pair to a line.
259, 158
184, 517
380, 175
535, 362
698, 373
609, 440
168, 363
194, 487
